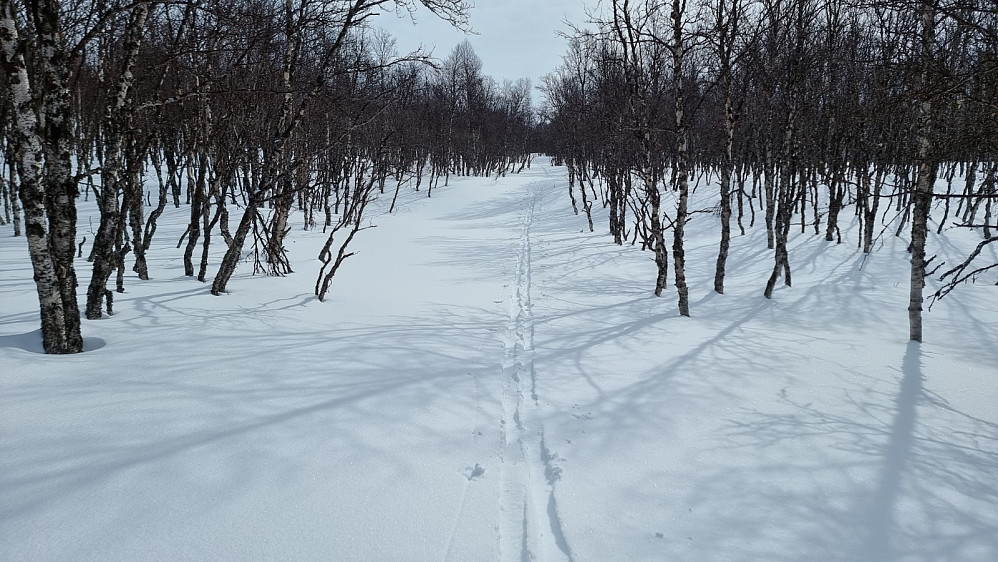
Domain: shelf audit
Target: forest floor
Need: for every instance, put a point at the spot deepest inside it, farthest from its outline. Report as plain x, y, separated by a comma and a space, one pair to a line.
489, 381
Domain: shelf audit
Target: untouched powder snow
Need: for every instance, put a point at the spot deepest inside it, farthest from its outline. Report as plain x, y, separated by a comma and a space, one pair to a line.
487, 381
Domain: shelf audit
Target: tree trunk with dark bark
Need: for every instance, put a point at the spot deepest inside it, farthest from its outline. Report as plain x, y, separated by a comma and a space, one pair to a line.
115, 173
60, 183
54, 280
682, 162
922, 197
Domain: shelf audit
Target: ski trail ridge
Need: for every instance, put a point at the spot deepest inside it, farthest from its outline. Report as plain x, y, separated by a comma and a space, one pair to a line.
529, 525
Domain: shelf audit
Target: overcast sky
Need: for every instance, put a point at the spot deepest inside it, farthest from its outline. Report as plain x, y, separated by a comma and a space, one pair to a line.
516, 38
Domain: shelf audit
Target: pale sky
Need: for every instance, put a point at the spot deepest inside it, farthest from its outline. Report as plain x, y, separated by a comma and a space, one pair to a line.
516, 38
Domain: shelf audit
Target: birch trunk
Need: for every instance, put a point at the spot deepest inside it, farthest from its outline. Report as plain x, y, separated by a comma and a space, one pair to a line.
727, 27
114, 172
871, 210
787, 196
276, 254
11, 187
769, 189
55, 338
60, 184
922, 198
234, 253
682, 166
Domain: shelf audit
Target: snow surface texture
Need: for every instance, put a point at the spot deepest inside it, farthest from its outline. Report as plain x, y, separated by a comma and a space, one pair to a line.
488, 382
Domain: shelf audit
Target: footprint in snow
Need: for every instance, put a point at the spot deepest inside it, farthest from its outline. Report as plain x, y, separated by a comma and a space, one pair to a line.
473, 473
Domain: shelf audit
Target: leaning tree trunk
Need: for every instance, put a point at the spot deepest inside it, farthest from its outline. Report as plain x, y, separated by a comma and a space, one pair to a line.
235, 251
787, 196
271, 175
276, 165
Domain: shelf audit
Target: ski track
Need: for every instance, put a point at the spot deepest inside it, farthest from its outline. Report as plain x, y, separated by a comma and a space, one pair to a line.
530, 527
449, 545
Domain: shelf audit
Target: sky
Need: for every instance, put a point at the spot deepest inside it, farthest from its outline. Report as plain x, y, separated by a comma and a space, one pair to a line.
515, 38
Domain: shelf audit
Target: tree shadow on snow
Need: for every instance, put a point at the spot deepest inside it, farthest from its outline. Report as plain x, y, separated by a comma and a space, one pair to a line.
226, 408
32, 343
898, 475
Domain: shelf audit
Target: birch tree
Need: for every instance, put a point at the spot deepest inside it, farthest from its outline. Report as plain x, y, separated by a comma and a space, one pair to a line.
725, 31
678, 47
926, 172
47, 190
116, 178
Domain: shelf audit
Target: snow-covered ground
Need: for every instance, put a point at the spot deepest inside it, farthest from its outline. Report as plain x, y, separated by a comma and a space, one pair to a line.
486, 381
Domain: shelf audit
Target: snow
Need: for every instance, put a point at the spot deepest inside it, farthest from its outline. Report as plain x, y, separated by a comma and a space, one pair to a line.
489, 381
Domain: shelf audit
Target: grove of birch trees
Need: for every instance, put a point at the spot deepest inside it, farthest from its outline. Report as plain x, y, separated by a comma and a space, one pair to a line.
241, 111
803, 111
247, 112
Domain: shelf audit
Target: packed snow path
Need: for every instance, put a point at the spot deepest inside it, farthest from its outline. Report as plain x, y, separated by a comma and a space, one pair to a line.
489, 381
529, 524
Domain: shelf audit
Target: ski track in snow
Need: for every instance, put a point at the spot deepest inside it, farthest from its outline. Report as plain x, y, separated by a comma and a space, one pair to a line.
529, 525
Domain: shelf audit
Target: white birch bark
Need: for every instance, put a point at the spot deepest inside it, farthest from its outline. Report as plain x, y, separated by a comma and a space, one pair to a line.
59, 182
922, 197
682, 161
32, 192
105, 256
